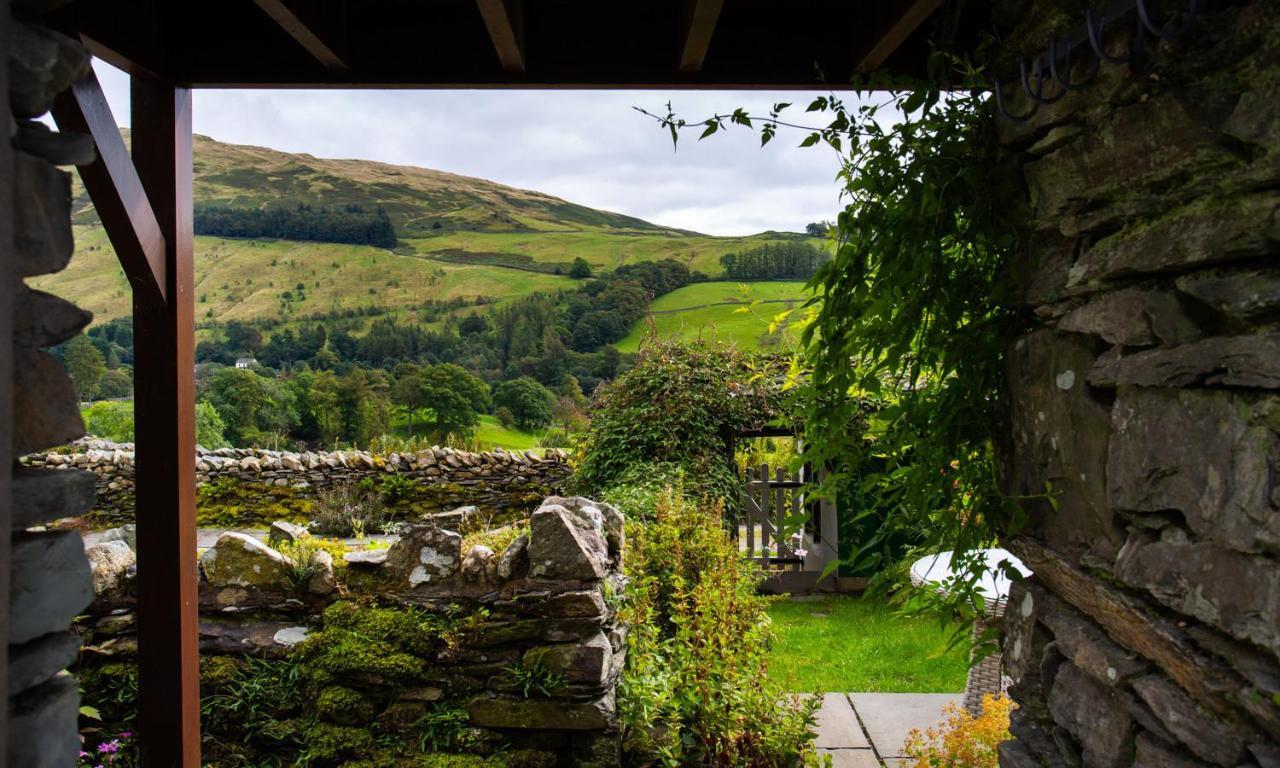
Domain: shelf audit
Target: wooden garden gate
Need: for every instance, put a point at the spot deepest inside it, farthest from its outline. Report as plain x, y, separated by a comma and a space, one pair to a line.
774, 501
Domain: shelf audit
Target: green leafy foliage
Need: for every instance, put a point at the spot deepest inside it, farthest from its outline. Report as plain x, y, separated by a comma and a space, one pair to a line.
113, 420
682, 401
85, 365
911, 318
531, 404
696, 690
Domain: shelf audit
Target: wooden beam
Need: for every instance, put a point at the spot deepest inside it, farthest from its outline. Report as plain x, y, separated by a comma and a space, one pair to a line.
699, 28
164, 419
911, 15
506, 29
303, 34
114, 187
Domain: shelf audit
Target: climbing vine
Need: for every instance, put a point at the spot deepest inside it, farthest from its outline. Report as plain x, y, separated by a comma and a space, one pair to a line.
901, 357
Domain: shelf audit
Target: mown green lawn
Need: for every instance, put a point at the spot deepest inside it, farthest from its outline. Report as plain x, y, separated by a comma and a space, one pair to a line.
720, 311
856, 644
489, 434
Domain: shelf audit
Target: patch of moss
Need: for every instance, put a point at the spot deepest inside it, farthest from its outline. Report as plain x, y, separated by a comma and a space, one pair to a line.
328, 743
219, 672
341, 705
372, 644
231, 502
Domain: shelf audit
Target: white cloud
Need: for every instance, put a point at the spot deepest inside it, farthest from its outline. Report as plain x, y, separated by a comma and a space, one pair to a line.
589, 147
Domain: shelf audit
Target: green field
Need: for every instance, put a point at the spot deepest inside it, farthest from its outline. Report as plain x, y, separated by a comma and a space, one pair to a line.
862, 646
603, 248
722, 311
489, 434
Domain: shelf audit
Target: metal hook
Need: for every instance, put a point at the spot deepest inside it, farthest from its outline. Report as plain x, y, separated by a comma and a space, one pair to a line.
1000, 104
1168, 32
1038, 97
1065, 82
1096, 31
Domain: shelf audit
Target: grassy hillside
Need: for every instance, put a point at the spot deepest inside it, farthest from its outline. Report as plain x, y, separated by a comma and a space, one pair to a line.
724, 311
459, 237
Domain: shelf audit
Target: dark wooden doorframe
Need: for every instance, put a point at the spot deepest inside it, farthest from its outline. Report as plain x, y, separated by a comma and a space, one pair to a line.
145, 204
7, 286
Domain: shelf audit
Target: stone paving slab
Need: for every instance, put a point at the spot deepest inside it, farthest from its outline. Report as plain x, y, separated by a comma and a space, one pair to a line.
850, 758
838, 726
889, 717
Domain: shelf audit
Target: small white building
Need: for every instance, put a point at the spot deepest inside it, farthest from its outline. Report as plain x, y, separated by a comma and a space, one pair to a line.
246, 362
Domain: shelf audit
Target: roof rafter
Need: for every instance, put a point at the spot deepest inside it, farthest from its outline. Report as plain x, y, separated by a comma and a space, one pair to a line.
114, 186
296, 28
911, 16
504, 20
701, 25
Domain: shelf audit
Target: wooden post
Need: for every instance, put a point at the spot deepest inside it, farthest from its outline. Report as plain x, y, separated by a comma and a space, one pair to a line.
164, 416
7, 281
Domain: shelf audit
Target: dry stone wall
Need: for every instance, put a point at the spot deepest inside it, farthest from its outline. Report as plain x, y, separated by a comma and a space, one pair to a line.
1147, 402
50, 579
544, 604
444, 478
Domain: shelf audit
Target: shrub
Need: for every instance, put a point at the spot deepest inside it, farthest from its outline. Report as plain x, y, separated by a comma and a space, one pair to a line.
347, 510
681, 400
962, 740
695, 691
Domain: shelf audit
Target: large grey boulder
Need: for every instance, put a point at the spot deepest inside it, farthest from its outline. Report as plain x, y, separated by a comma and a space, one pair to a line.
109, 561
425, 554
611, 521
567, 544
127, 533
240, 560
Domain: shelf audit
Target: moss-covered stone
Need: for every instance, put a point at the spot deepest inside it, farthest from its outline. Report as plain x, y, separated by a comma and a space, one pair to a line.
218, 672
327, 743
341, 705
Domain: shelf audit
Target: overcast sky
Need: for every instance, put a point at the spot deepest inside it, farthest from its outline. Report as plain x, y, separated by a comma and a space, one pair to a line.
589, 147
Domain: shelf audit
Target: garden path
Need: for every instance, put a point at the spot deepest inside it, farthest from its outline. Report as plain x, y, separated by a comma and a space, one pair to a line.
867, 730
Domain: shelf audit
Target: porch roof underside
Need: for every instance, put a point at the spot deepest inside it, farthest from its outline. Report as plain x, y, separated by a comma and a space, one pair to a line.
669, 44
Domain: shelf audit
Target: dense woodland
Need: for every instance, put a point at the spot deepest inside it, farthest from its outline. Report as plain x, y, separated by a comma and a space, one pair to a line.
352, 224
774, 261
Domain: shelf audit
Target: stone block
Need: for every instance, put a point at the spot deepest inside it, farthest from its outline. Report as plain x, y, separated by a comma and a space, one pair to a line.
490, 711
323, 581
1154, 753
51, 583
1083, 642
585, 662
1206, 736
109, 561
43, 725
479, 563
43, 495
42, 64
1096, 717
566, 545
1059, 437
1249, 296
38, 660
573, 605
43, 320
1207, 581
240, 560
1133, 318
454, 519
603, 517
1209, 455
1232, 361
128, 533
1203, 234
367, 557
56, 147
42, 240
425, 554
284, 532
514, 561
46, 412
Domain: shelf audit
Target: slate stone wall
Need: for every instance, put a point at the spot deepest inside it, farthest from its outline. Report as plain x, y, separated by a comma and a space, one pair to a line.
1146, 401
494, 481
548, 600
49, 575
